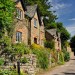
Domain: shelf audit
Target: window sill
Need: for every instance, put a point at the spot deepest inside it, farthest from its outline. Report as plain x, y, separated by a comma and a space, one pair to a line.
35, 26
17, 42
19, 19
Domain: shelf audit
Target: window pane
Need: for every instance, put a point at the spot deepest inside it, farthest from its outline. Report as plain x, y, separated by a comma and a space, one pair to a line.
19, 13
35, 22
19, 36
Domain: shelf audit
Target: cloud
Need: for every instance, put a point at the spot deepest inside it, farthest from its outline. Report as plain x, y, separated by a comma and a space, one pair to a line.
50, 0
59, 6
71, 29
72, 19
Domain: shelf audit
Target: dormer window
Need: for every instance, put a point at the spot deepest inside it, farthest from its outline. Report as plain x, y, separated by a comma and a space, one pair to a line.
19, 13
35, 22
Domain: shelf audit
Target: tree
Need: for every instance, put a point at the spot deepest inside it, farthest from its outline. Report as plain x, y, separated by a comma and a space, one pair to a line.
6, 15
65, 35
44, 9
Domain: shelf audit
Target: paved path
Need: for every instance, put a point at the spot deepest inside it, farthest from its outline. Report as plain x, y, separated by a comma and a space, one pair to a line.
67, 69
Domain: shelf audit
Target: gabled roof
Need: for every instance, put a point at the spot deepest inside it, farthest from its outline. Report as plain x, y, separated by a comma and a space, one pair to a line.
22, 2
31, 10
53, 32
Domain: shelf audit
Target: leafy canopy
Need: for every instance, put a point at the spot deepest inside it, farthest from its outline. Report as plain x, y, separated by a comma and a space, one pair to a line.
6, 15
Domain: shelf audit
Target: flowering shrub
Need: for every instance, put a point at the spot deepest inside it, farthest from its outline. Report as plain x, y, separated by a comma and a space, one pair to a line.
42, 56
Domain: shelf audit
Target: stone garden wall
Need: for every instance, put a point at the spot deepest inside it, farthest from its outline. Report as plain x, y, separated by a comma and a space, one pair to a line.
30, 66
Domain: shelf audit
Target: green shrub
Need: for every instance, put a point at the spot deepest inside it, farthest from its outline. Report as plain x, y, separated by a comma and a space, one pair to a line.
22, 73
23, 60
67, 56
10, 72
43, 59
7, 72
21, 49
61, 58
35, 46
49, 44
1, 61
54, 56
52, 60
42, 56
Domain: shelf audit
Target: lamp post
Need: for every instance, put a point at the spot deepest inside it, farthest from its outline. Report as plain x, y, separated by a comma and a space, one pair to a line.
18, 67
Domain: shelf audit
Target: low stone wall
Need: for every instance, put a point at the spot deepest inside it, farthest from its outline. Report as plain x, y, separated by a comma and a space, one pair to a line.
30, 66
70, 51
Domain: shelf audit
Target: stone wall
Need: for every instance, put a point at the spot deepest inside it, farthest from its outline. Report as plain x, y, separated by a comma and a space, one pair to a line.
70, 51
35, 30
30, 66
20, 26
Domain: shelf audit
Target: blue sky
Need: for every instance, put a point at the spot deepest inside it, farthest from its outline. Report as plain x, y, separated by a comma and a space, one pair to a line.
65, 10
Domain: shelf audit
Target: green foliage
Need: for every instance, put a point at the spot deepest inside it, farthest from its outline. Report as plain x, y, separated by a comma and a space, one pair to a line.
43, 5
1, 61
54, 56
51, 26
66, 55
44, 10
61, 58
20, 49
6, 15
7, 72
5, 42
64, 33
42, 56
52, 60
22, 73
23, 60
50, 44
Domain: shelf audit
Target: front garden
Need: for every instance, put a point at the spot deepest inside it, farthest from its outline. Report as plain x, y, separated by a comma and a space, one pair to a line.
34, 57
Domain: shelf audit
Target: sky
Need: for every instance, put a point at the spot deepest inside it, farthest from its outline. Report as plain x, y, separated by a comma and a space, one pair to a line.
65, 10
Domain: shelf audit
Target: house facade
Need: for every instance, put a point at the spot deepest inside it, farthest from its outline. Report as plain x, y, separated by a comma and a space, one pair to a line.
52, 34
29, 27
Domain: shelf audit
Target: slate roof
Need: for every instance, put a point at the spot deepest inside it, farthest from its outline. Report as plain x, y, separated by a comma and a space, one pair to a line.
52, 32
22, 2
31, 10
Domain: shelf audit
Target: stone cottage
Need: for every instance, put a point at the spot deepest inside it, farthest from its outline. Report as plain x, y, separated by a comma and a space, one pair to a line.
29, 27
52, 34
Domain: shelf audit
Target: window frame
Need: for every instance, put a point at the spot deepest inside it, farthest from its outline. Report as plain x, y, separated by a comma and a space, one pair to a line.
35, 22
19, 36
19, 14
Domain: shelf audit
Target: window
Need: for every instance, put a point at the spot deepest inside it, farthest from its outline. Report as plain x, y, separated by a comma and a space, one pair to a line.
35, 40
19, 14
19, 36
35, 22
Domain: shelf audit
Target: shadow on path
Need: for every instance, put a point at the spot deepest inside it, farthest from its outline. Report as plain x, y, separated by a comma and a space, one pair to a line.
72, 59
69, 73
66, 74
